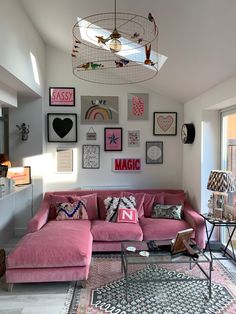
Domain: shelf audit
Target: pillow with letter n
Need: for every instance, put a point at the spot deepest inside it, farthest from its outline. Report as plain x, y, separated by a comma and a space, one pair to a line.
167, 211
121, 209
71, 211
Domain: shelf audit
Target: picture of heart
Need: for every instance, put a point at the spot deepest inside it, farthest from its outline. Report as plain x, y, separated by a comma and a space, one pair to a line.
62, 126
165, 122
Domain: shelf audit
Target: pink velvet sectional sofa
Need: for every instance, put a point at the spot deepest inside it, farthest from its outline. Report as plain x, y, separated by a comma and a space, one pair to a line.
55, 250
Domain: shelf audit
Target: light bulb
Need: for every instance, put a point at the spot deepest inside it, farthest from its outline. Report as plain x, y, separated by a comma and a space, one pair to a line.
115, 45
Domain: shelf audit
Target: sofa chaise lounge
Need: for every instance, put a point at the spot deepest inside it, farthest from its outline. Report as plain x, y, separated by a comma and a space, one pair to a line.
61, 250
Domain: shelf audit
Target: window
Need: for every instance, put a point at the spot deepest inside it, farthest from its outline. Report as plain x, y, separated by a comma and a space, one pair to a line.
228, 156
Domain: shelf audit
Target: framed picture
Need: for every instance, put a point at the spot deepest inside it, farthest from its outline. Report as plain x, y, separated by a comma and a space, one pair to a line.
164, 123
133, 138
90, 156
154, 152
61, 96
62, 127
65, 160
137, 106
99, 110
21, 175
113, 139
3, 171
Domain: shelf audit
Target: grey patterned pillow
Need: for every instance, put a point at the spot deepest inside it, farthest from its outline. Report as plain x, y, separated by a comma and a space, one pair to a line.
167, 211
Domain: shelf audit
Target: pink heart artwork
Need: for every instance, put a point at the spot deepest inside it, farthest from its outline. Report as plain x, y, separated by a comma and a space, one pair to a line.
165, 122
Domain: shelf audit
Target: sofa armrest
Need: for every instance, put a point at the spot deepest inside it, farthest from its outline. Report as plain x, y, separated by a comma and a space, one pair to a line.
40, 218
196, 221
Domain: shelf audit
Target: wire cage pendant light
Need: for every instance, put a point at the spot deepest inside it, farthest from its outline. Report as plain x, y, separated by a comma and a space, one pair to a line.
115, 48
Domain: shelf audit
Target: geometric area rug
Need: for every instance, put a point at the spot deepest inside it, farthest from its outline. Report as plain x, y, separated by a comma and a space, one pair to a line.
105, 290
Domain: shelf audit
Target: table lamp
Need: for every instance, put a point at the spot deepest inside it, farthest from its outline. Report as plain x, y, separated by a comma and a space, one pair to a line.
220, 182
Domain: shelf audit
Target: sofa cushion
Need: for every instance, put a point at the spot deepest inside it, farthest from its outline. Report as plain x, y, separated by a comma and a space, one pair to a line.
113, 204
128, 215
101, 205
71, 211
167, 211
53, 200
149, 200
57, 244
112, 231
139, 199
161, 229
91, 204
174, 199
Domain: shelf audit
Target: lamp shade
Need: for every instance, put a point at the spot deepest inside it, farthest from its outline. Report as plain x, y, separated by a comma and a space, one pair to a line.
221, 181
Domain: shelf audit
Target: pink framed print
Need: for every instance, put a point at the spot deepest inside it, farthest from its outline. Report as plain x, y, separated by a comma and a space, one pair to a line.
113, 139
62, 96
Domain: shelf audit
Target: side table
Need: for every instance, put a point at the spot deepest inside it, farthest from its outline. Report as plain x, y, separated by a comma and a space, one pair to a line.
214, 222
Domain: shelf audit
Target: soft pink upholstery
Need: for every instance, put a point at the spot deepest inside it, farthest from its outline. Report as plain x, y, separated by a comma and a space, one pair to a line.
61, 250
47, 274
112, 231
58, 244
161, 229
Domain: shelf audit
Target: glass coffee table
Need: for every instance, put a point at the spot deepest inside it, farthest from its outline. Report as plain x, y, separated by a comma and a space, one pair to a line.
153, 253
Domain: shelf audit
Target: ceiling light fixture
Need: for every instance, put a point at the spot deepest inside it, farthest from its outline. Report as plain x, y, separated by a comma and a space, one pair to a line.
116, 48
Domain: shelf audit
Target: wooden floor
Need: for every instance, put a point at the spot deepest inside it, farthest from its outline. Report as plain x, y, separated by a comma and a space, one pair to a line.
43, 298
38, 298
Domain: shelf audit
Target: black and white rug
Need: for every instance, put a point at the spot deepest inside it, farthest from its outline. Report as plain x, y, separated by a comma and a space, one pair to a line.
158, 290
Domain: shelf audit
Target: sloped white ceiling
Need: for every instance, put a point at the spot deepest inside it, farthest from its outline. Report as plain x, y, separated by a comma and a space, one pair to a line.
198, 36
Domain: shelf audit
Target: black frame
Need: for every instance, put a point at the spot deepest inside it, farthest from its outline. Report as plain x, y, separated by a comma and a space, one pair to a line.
121, 140
161, 158
49, 128
65, 105
83, 154
161, 113
3, 171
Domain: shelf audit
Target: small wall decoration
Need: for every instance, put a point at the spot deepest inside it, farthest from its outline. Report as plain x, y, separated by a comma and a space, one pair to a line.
154, 152
62, 96
21, 175
137, 106
99, 110
113, 139
91, 135
164, 123
133, 138
62, 127
64, 160
126, 164
91, 156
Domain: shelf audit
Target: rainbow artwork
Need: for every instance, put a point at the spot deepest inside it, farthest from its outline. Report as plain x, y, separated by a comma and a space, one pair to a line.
99, 110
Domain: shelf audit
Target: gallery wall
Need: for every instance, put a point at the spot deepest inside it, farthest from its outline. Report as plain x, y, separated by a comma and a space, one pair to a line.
168, 174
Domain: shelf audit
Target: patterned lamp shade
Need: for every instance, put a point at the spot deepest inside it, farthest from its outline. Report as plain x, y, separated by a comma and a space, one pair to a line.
221, 181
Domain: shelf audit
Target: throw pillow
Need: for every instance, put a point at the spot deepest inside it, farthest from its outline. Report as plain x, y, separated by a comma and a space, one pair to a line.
139, 199
112, 204
53, 200
101, 198
172, 199
71, 211
149, 200
127, 215
91, 204
167, 211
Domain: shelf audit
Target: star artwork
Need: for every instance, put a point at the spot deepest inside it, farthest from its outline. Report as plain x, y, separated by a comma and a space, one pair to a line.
113, 139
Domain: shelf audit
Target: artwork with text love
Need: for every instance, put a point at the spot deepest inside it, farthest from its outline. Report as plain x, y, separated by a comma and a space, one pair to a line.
164, 123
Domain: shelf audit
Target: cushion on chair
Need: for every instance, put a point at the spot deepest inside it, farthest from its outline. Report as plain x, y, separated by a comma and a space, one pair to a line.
161, 229
112, 231
149, 200
91, 204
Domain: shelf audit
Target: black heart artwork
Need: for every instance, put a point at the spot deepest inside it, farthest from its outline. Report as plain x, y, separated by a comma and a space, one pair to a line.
62, 126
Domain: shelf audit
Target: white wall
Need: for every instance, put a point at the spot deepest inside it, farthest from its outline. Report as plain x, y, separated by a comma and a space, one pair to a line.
204, 154
18, 38
166, 175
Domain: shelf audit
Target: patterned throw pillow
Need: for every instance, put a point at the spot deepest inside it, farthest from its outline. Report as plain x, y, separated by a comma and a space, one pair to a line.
112, 204
127, 215
167, 211
71, 211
